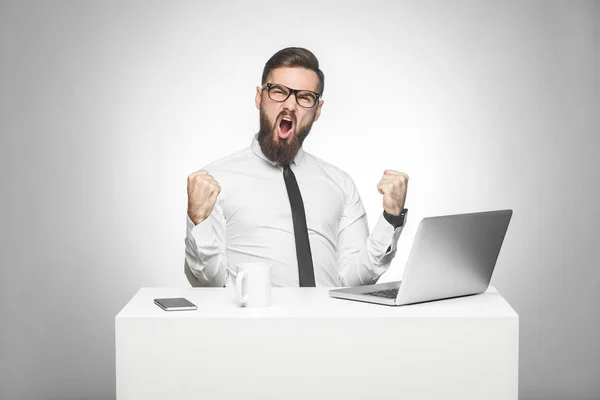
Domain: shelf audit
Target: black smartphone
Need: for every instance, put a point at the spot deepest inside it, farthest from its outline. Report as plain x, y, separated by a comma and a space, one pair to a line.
175, 304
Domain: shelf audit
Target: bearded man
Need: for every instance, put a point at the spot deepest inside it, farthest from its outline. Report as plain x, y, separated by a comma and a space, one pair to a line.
274, 203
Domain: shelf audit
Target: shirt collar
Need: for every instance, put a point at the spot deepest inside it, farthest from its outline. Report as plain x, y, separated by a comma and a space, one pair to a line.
258, 151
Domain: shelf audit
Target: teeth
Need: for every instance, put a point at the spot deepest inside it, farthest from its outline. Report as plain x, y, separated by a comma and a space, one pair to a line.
287, 119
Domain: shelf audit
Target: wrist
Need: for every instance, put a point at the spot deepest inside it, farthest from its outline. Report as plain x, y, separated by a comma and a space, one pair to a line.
396, 220
197, 217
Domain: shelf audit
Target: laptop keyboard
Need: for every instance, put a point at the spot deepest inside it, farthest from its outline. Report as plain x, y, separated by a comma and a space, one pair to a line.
390, 293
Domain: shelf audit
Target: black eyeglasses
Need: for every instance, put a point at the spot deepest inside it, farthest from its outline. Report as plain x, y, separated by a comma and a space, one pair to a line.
280, 93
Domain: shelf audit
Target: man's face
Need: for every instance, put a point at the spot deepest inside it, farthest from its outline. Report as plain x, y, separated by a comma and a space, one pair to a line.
284, 125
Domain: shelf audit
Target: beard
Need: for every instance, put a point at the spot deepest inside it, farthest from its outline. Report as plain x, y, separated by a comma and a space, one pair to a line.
276, 149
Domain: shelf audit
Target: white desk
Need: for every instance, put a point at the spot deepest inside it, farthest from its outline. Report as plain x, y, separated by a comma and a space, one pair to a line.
310, 346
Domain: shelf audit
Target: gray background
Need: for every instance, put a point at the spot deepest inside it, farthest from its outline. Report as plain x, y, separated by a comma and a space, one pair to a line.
106, 107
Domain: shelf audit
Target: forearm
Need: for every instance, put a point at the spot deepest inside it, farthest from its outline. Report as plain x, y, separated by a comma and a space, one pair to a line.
205, 250
370, 257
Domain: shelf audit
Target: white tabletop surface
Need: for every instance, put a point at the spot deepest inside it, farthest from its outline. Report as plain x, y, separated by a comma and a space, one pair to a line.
310, 303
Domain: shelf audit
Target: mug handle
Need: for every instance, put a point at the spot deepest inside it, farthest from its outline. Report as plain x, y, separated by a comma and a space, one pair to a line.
241, 297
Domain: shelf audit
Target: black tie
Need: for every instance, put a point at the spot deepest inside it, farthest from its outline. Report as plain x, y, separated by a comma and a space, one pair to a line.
306, 271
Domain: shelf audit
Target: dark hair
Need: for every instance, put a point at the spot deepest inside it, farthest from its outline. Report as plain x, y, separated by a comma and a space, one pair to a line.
295, 57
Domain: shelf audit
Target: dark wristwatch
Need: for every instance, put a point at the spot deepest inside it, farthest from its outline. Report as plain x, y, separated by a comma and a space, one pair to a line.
396, 220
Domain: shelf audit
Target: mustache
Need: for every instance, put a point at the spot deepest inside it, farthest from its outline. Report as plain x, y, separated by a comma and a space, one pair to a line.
285, 113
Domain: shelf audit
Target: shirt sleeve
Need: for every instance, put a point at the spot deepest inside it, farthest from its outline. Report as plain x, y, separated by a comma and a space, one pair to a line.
205, 248
363, 257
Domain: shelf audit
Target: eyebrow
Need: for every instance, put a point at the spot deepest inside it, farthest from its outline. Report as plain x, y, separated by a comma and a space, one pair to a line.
305, 90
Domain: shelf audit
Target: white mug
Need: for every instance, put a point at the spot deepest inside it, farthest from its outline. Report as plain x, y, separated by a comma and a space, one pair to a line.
253, 285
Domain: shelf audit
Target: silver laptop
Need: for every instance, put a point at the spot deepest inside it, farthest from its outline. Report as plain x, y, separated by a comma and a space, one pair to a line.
452, 256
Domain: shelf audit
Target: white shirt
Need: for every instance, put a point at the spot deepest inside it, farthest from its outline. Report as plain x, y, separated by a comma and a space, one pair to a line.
252, 222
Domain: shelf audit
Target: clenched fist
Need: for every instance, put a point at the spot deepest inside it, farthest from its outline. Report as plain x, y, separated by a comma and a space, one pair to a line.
393, 186
202, 190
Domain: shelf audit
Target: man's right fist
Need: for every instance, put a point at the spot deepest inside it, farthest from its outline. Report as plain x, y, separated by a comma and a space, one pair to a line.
202, 190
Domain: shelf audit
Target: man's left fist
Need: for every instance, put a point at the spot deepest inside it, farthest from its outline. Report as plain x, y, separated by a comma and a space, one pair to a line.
393, 186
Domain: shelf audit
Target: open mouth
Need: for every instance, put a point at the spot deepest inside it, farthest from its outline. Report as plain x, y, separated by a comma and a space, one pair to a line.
285, 127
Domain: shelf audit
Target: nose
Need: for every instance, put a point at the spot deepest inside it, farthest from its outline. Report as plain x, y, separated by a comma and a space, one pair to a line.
290, 103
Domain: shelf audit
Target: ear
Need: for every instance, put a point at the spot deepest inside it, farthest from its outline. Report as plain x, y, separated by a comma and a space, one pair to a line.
258, 98
318, 113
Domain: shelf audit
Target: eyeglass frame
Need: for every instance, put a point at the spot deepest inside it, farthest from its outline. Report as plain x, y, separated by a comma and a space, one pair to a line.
292, 92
